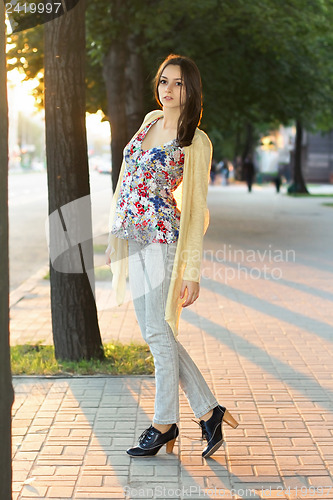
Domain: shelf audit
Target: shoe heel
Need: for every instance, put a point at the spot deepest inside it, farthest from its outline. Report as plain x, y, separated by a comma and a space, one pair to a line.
170, 445
229, 419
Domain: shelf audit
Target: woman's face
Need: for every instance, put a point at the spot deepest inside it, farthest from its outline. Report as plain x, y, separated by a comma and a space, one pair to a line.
171, 88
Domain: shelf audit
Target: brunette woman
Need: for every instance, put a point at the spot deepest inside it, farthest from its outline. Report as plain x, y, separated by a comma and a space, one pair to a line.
159, 245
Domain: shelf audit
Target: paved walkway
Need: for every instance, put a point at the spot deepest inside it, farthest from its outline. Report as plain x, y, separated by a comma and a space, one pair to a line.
261, 332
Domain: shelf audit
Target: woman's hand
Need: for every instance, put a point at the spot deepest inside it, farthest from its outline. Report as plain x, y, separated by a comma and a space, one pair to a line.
192, 288
107, 255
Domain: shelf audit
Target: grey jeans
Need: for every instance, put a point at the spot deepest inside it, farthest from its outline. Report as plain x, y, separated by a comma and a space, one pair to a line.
150, 268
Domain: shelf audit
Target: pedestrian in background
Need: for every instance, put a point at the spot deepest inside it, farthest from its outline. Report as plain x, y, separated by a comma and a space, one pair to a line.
213, 170
277, 182
248, 171
161, 247
225, 172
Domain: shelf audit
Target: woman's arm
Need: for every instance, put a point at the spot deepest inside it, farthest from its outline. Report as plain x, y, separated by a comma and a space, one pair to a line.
199, 216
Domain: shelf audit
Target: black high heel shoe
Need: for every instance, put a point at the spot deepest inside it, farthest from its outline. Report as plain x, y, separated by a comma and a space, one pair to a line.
212, 429
152, 440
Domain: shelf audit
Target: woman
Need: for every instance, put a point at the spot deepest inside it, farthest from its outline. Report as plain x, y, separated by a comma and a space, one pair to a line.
160, 247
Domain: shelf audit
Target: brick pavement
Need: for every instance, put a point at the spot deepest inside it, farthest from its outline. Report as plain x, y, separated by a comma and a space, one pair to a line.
262, 335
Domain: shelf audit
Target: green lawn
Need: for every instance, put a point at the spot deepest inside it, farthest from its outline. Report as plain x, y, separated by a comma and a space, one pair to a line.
102, 273
303, 195
100, 248
120, 359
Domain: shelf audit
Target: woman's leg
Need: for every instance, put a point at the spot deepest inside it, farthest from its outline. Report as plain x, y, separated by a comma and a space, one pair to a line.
150, 272
136, 271
192, 382
150, 269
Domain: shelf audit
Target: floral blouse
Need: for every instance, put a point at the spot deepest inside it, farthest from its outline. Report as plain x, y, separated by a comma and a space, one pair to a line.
146, 209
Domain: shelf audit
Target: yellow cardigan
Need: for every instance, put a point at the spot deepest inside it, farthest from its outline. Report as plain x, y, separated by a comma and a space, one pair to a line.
194, 221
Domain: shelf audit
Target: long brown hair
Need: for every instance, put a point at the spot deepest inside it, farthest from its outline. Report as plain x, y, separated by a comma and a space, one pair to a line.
190, 115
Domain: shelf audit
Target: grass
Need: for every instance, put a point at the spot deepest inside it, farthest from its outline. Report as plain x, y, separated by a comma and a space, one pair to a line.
100, 248
300, 195
327, 204
120, 359
102, 273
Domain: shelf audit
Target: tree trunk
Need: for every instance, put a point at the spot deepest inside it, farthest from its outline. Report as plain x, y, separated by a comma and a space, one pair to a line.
298, 184
114, 76
123, 77
134, 87
74, 316
6, 388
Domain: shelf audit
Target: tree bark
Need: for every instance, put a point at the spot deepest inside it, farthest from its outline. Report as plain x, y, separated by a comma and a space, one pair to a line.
123, 75
74, 316
6, 388
134, 102
114, 76
298, 184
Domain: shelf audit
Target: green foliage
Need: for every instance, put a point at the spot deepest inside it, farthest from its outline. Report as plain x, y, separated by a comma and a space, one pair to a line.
26, 52
261, 62
119, 359
274, 63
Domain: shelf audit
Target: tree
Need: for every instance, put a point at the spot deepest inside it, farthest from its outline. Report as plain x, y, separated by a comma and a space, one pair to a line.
74, 317
275, 61
260, 64
114, 52
6, 389
117, 68
298, 185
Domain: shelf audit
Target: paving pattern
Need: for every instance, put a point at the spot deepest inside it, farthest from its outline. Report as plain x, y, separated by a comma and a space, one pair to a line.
261, 333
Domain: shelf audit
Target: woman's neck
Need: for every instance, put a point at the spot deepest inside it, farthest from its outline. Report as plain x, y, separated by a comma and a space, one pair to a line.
170, 118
